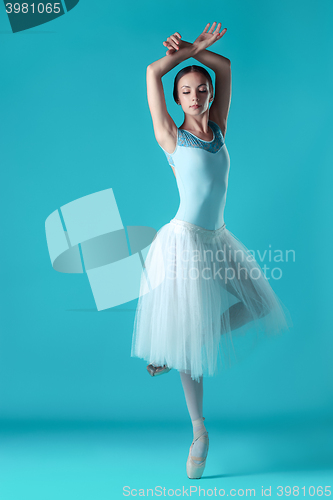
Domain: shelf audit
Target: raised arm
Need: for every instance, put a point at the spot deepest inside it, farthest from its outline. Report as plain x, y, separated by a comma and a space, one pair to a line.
165, 128
221, 66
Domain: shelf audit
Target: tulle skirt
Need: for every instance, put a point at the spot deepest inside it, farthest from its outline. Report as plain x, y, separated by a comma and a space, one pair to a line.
203, 299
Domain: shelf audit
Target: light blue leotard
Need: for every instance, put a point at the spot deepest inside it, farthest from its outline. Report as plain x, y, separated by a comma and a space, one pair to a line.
202, 169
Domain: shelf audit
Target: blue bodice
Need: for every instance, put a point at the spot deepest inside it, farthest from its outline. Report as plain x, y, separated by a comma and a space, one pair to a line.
202, 170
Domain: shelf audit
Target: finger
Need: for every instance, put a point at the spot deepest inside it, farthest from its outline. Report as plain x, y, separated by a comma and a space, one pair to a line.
178, 34
172, 43
212, 28
175, 39
171, 38
218, 27
223, 32
204, 31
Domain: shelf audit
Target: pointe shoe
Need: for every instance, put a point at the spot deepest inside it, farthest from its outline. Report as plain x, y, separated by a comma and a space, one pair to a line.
157, 370
195, 470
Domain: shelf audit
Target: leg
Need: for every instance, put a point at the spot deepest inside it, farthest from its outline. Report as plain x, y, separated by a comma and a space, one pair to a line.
239, 314
193, 391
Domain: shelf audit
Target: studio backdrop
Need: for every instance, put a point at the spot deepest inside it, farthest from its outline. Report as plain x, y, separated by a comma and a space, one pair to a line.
85, 187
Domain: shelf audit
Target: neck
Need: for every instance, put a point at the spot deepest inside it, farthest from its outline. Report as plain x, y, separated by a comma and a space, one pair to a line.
196, 123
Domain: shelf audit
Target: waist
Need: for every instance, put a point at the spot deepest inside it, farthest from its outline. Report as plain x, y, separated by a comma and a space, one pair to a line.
195, 228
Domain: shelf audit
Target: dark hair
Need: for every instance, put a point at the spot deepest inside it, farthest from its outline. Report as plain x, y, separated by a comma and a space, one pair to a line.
189, 69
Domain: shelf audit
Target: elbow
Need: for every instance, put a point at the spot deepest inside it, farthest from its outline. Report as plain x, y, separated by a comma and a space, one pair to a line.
226, 62
225, 66
153, 71
229, 68
149, 71
150, 68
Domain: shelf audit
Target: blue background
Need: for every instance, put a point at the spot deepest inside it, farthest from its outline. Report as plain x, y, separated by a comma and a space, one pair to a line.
75, 120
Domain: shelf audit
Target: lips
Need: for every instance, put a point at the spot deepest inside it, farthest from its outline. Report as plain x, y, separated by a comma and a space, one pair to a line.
196, 106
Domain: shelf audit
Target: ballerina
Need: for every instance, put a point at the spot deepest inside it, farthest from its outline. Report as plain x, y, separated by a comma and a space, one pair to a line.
198, 266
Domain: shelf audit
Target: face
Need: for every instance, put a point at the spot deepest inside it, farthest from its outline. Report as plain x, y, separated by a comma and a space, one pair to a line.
193, 93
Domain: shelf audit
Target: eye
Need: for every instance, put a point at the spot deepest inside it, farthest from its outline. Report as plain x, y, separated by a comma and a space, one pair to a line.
201, 91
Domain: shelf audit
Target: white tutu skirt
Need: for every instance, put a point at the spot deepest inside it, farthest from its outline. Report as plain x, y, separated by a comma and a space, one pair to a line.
203, 298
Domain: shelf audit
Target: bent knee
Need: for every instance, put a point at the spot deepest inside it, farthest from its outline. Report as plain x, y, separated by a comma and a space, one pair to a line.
261, 308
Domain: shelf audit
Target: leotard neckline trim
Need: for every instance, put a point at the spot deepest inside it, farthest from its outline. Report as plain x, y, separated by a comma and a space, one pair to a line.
209, 121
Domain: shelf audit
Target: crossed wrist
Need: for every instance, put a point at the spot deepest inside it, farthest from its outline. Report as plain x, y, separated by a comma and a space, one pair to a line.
197, 49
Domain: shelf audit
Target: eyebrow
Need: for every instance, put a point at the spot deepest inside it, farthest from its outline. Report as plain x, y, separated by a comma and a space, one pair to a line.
198, 85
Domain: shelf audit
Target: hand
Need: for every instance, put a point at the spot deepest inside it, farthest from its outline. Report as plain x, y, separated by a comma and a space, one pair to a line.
174, 43
207, 38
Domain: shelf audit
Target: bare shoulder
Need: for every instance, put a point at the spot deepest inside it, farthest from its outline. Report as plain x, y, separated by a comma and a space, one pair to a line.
167, 137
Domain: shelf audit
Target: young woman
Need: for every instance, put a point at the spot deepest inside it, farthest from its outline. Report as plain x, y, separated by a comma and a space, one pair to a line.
202, 287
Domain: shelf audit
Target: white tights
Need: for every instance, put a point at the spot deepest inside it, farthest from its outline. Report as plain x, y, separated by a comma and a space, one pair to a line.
238, 315
193, 391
